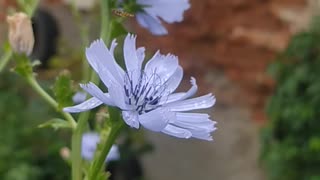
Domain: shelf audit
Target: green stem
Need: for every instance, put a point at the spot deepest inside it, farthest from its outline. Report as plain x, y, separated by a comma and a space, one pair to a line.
105, 32
76, 159
35, 85
83, 118
5, 59
77, 136
97, 165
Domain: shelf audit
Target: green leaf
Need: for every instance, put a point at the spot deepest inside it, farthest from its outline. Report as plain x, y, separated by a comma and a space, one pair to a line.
55, 124
63, 89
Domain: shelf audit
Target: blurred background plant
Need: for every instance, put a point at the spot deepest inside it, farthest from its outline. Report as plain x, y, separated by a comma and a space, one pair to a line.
26, 151
291, 140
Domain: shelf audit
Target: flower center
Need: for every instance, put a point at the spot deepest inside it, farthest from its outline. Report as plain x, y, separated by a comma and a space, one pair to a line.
143, 91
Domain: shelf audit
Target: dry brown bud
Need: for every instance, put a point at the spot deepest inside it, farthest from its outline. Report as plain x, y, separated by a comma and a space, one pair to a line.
21, 37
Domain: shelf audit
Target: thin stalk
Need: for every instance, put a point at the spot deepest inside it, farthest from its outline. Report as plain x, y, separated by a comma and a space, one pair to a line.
98, 164
105, 33
5, 59
76, 159
105, 19
36, 87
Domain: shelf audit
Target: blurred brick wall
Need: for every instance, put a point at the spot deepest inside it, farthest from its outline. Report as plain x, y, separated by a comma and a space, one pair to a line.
239, 37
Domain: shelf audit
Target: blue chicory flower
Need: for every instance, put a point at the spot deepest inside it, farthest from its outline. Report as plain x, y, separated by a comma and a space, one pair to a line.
169, 11
89, 145
145, 95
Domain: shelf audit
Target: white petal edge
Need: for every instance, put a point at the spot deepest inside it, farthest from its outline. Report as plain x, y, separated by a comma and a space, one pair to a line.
175, 80
132, 61
86, 105
177, 132
118, 96
194, 121
153, 24
98, 55
162, 65
201, 102
182, 95
131, 119
94, 91
157, 119
169, 10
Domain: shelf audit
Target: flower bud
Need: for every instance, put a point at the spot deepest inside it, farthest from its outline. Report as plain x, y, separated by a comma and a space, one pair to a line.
65, 153
21, 37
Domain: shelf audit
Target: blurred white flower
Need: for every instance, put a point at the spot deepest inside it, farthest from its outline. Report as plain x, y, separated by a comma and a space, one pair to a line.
79, 97
169, 11
89, 146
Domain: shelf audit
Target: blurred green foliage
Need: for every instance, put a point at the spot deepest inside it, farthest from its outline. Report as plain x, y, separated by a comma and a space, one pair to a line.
291, 139
26, 151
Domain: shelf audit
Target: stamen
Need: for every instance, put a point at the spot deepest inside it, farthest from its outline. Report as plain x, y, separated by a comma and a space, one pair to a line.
145, 95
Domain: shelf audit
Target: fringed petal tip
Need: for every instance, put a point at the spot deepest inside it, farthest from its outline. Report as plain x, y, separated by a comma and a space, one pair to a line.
212, 99
193, 81
131, 36
96, 43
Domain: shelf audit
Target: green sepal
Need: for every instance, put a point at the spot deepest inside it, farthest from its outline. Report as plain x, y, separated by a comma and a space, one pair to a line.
24, 66
63, 90
55, 124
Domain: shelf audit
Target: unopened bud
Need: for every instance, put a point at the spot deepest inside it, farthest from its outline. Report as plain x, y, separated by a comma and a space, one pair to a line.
65, 153
21, 37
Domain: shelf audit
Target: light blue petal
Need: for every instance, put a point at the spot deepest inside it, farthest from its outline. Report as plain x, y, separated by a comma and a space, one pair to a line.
195, 121
175, 80
202, 135
94, 91
101, 59
201, 102
181, 95
89, 145
153, 24
131, 118
114, 154
85, 106
132, 60
113, 46
168, 10
164, 66
140, 53
177, 132
198, 124
79, 97
156, 120
118, 96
